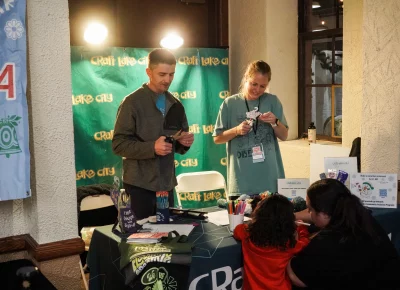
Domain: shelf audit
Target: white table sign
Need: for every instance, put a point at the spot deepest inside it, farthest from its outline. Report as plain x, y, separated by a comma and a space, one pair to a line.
347, 164
293, 187
317, 154
375, 189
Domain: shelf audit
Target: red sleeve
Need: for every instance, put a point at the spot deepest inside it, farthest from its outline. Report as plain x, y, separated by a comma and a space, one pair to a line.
302, 240
240, 232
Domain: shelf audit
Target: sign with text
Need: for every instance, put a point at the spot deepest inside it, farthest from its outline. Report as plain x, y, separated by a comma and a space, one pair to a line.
375, 189
346, 164
102, 78
128, 220
293, 187
14, 130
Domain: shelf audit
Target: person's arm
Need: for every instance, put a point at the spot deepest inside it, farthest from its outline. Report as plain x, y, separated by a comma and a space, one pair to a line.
303, 215
223, 130
124, 142
280, 130
302, 238
292, 276
239, 232
227, 135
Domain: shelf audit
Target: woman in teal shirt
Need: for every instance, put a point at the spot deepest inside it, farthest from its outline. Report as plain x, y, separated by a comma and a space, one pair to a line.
250, 123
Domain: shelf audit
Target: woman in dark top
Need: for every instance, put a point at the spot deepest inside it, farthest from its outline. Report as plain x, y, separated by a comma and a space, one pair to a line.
351, 251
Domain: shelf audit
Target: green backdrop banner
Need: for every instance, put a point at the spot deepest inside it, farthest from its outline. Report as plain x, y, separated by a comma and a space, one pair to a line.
102, 78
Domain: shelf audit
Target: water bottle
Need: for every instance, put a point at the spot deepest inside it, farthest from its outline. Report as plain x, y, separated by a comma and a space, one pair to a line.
312, 133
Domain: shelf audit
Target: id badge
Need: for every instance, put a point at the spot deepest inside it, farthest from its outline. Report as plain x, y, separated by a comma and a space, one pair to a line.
258, 153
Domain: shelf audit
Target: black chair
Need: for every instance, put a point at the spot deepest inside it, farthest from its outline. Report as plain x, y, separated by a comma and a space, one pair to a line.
95, 210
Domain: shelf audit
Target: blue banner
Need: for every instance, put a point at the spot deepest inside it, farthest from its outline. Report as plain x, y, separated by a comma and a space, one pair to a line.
14, 130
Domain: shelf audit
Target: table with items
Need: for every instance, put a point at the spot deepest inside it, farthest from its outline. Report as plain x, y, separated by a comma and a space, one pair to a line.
216, 259
216, 262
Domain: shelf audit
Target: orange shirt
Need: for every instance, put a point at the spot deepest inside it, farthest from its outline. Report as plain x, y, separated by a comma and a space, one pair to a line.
265, 267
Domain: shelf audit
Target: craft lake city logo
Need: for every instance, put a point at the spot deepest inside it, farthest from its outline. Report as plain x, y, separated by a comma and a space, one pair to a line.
83, 99
158, 278
8, 136
14, 29
184, 95
90, 173
224, 94
189, 162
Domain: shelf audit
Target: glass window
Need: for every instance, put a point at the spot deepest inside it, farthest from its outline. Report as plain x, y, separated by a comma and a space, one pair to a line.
321, 108
321, 15
321, 53
320, 67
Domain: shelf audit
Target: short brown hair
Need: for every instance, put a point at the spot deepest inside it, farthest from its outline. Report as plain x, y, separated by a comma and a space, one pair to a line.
160, 55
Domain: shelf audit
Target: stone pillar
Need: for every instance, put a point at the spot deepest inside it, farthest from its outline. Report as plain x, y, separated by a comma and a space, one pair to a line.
267, 30
380, 119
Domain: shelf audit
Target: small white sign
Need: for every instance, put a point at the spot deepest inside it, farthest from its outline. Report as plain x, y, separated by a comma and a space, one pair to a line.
317, 154
293, 187
347, 164
375, 189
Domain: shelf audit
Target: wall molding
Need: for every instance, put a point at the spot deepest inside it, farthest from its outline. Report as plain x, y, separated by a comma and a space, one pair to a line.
42, 252
12, 244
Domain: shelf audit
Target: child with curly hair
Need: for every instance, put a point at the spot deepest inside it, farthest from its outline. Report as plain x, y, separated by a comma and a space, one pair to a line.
269, 241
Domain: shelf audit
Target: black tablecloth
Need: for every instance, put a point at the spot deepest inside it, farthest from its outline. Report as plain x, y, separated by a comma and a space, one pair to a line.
216, 257
216, 260
389, 219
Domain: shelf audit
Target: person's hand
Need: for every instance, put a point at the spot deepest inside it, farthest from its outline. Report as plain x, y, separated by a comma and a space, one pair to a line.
268, 117
161, 147
243, 128
186, 139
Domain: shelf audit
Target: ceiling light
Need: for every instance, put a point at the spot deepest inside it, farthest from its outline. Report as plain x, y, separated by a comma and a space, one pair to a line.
95, 33
171, 41
315, 4
321, 27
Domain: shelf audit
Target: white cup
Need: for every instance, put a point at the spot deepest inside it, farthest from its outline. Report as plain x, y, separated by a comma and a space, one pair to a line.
234, 220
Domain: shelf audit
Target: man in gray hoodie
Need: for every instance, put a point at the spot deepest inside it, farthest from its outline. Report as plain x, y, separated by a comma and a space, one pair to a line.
144, 120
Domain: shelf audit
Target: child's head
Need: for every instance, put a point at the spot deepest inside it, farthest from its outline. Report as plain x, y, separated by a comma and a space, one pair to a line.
273, 223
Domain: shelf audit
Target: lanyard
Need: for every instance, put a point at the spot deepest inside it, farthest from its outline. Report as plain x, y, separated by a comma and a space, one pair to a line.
258, 109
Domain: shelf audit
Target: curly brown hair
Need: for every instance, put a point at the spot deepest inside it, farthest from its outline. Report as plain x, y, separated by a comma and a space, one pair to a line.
273, 223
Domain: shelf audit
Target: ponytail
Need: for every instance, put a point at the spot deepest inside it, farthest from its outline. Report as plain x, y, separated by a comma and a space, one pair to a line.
352, 219
347, 213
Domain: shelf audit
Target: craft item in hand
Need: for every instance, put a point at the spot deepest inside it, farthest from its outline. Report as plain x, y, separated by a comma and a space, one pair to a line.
175, 137
253, 115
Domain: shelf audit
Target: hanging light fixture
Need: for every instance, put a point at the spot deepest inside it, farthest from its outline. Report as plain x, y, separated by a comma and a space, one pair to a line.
321, 27
171, 41
315, 4
95, 33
